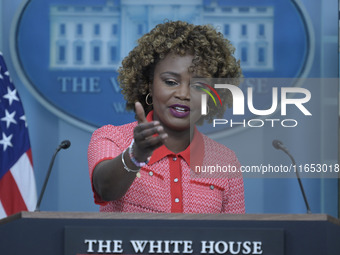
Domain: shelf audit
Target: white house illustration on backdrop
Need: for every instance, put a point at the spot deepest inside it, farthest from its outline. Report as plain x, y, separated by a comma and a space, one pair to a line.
98, 37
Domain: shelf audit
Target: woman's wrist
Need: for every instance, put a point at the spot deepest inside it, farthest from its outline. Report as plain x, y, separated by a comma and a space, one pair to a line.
133, 161
136, 162
125, 165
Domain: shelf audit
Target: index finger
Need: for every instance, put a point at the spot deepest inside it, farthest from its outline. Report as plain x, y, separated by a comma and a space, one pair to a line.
140, 113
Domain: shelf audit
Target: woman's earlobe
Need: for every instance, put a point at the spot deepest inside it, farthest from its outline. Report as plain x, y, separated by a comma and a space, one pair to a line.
150, 88
148, 99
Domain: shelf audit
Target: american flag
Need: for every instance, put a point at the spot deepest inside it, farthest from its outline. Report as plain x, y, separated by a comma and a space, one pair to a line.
17, 182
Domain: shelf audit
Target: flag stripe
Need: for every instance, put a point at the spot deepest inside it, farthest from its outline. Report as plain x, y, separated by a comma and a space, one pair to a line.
22, 172
29, 154
10, 195
2, 211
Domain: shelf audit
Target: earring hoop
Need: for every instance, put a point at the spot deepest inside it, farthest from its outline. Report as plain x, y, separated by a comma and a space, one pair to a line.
146, 99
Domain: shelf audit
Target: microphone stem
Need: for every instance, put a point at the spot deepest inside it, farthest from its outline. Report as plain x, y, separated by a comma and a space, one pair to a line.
300, 183
37, 208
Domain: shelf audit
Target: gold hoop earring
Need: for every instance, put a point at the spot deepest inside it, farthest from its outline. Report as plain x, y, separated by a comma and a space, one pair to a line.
146, 99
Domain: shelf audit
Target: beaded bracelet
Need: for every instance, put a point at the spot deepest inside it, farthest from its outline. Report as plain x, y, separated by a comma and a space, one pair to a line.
133, 159
126, 167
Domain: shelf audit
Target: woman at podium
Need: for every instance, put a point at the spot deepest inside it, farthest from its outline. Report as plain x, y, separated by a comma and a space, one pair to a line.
148, 165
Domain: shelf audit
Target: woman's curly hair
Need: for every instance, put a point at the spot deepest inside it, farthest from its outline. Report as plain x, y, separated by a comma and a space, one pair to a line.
213, 58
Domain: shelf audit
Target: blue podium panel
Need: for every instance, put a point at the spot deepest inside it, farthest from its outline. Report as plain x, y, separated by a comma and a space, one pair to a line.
111, 233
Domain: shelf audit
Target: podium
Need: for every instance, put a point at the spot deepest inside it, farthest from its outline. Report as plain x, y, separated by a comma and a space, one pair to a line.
121, 233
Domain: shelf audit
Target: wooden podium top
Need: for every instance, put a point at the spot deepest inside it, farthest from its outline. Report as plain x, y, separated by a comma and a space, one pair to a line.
170, 216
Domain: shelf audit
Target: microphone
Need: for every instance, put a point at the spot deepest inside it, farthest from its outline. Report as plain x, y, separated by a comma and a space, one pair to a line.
279, 146
63, 145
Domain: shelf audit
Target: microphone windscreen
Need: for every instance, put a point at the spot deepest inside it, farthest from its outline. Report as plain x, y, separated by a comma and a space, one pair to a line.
65, 144
277, 144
